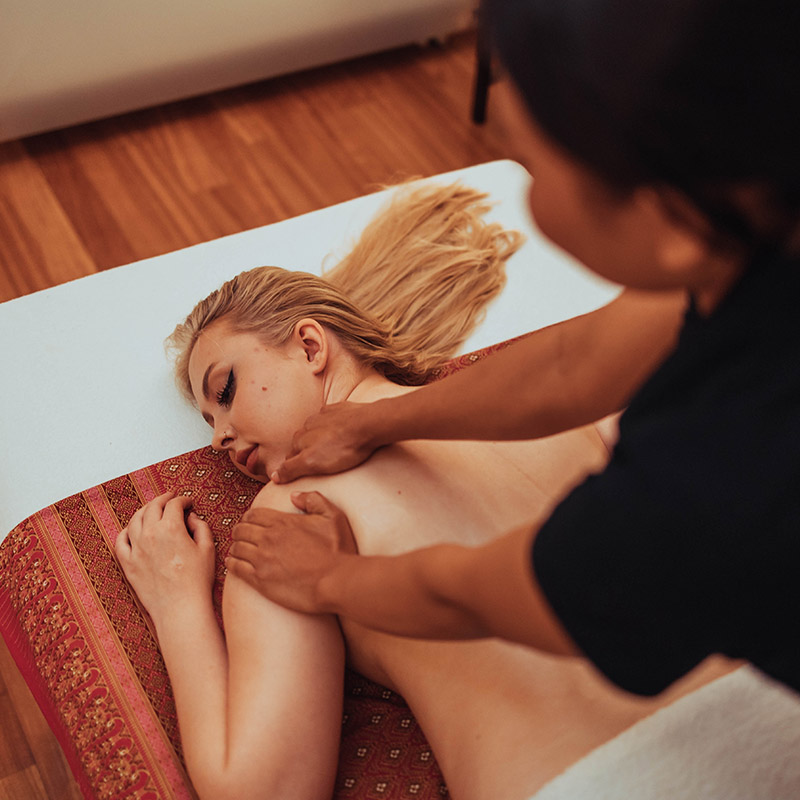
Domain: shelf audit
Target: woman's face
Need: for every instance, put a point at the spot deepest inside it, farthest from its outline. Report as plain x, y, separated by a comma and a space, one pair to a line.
254, 397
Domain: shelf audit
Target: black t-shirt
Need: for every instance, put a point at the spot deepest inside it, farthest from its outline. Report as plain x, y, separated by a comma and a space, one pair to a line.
689, 542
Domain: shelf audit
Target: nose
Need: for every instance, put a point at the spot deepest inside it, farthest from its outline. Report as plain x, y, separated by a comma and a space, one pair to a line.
223, 438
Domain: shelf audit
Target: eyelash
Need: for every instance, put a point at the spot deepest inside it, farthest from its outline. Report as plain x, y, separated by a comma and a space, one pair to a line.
225, 395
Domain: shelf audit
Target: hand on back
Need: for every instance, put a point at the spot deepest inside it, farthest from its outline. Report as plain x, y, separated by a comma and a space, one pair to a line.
284, 556
334, 440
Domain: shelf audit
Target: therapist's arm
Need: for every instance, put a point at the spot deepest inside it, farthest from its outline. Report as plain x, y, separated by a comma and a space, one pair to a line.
559, 377
309, 563
449, 592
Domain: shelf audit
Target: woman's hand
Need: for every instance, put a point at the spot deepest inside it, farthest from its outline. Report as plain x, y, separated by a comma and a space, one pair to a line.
333, 440
285, 556
167, 557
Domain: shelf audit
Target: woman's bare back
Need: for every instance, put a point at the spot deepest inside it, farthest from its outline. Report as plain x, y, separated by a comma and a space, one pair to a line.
502, 719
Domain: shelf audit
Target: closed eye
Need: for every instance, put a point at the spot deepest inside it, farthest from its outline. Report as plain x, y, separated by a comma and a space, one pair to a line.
225, 395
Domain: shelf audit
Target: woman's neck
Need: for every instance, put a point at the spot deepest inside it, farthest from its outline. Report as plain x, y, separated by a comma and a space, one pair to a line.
347, 379
375, 387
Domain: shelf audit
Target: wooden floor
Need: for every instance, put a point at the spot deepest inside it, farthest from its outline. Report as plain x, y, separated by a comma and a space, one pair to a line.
107, 193
32, 765
103, 194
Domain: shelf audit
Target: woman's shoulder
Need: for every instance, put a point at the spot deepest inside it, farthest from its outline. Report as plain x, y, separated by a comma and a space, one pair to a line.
372, 496
337, 488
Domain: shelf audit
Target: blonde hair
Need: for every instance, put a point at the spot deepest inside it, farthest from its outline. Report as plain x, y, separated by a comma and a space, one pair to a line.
404, 298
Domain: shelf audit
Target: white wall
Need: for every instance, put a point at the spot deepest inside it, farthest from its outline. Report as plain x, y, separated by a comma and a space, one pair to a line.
67, 61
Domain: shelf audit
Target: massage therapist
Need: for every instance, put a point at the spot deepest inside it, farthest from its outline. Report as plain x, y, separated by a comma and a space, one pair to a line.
663, 140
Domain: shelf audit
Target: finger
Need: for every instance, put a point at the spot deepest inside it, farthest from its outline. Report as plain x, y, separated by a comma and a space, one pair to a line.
242, 569
134, 526
245, 551
295, 466
262, 516
250, 534
162, 500
175, 508
122, 546
314, 503
154, 510
201, 533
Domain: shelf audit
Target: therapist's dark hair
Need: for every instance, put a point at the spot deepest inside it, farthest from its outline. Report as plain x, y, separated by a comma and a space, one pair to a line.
702, 96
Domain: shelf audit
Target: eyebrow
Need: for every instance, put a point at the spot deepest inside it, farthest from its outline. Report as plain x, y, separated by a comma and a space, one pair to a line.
205, 379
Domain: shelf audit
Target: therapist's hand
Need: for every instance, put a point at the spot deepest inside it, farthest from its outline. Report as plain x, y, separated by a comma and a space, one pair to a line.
333, 440
285, 556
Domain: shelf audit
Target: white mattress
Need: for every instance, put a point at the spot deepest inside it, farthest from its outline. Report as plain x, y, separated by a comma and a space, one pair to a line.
88, 391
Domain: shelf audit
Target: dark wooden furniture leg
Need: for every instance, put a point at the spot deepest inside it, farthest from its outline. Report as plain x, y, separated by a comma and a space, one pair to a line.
483, 75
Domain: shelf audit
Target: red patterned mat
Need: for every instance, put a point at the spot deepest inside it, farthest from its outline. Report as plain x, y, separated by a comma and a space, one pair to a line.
90, 657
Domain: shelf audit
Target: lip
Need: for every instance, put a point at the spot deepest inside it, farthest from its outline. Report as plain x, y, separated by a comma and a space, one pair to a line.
248, 458
252, 461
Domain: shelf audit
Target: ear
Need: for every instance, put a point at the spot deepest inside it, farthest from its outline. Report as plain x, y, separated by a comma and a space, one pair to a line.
312, 338
681, 232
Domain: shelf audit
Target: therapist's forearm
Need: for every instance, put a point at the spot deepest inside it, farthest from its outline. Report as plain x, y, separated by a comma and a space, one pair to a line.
400, 594
448, 592
557, 378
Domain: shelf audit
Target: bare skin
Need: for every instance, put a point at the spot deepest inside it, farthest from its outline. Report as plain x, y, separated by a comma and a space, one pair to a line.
561, 377
502, 719
650, 239
499, 717
249, 701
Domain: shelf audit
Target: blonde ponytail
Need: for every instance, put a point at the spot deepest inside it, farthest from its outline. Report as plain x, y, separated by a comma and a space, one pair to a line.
427, 266
404, 298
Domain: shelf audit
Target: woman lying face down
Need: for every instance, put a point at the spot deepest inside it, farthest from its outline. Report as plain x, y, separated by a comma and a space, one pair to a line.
258, 357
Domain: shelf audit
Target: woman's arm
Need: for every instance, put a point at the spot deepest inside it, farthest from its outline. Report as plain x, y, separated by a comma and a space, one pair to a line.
250, 702
285, 696
558, 378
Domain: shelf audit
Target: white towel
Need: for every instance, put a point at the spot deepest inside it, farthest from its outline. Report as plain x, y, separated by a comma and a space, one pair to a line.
738, 738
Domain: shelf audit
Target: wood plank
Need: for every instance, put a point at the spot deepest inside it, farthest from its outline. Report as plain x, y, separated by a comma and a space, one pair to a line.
39, 245
25, 785
32, 764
